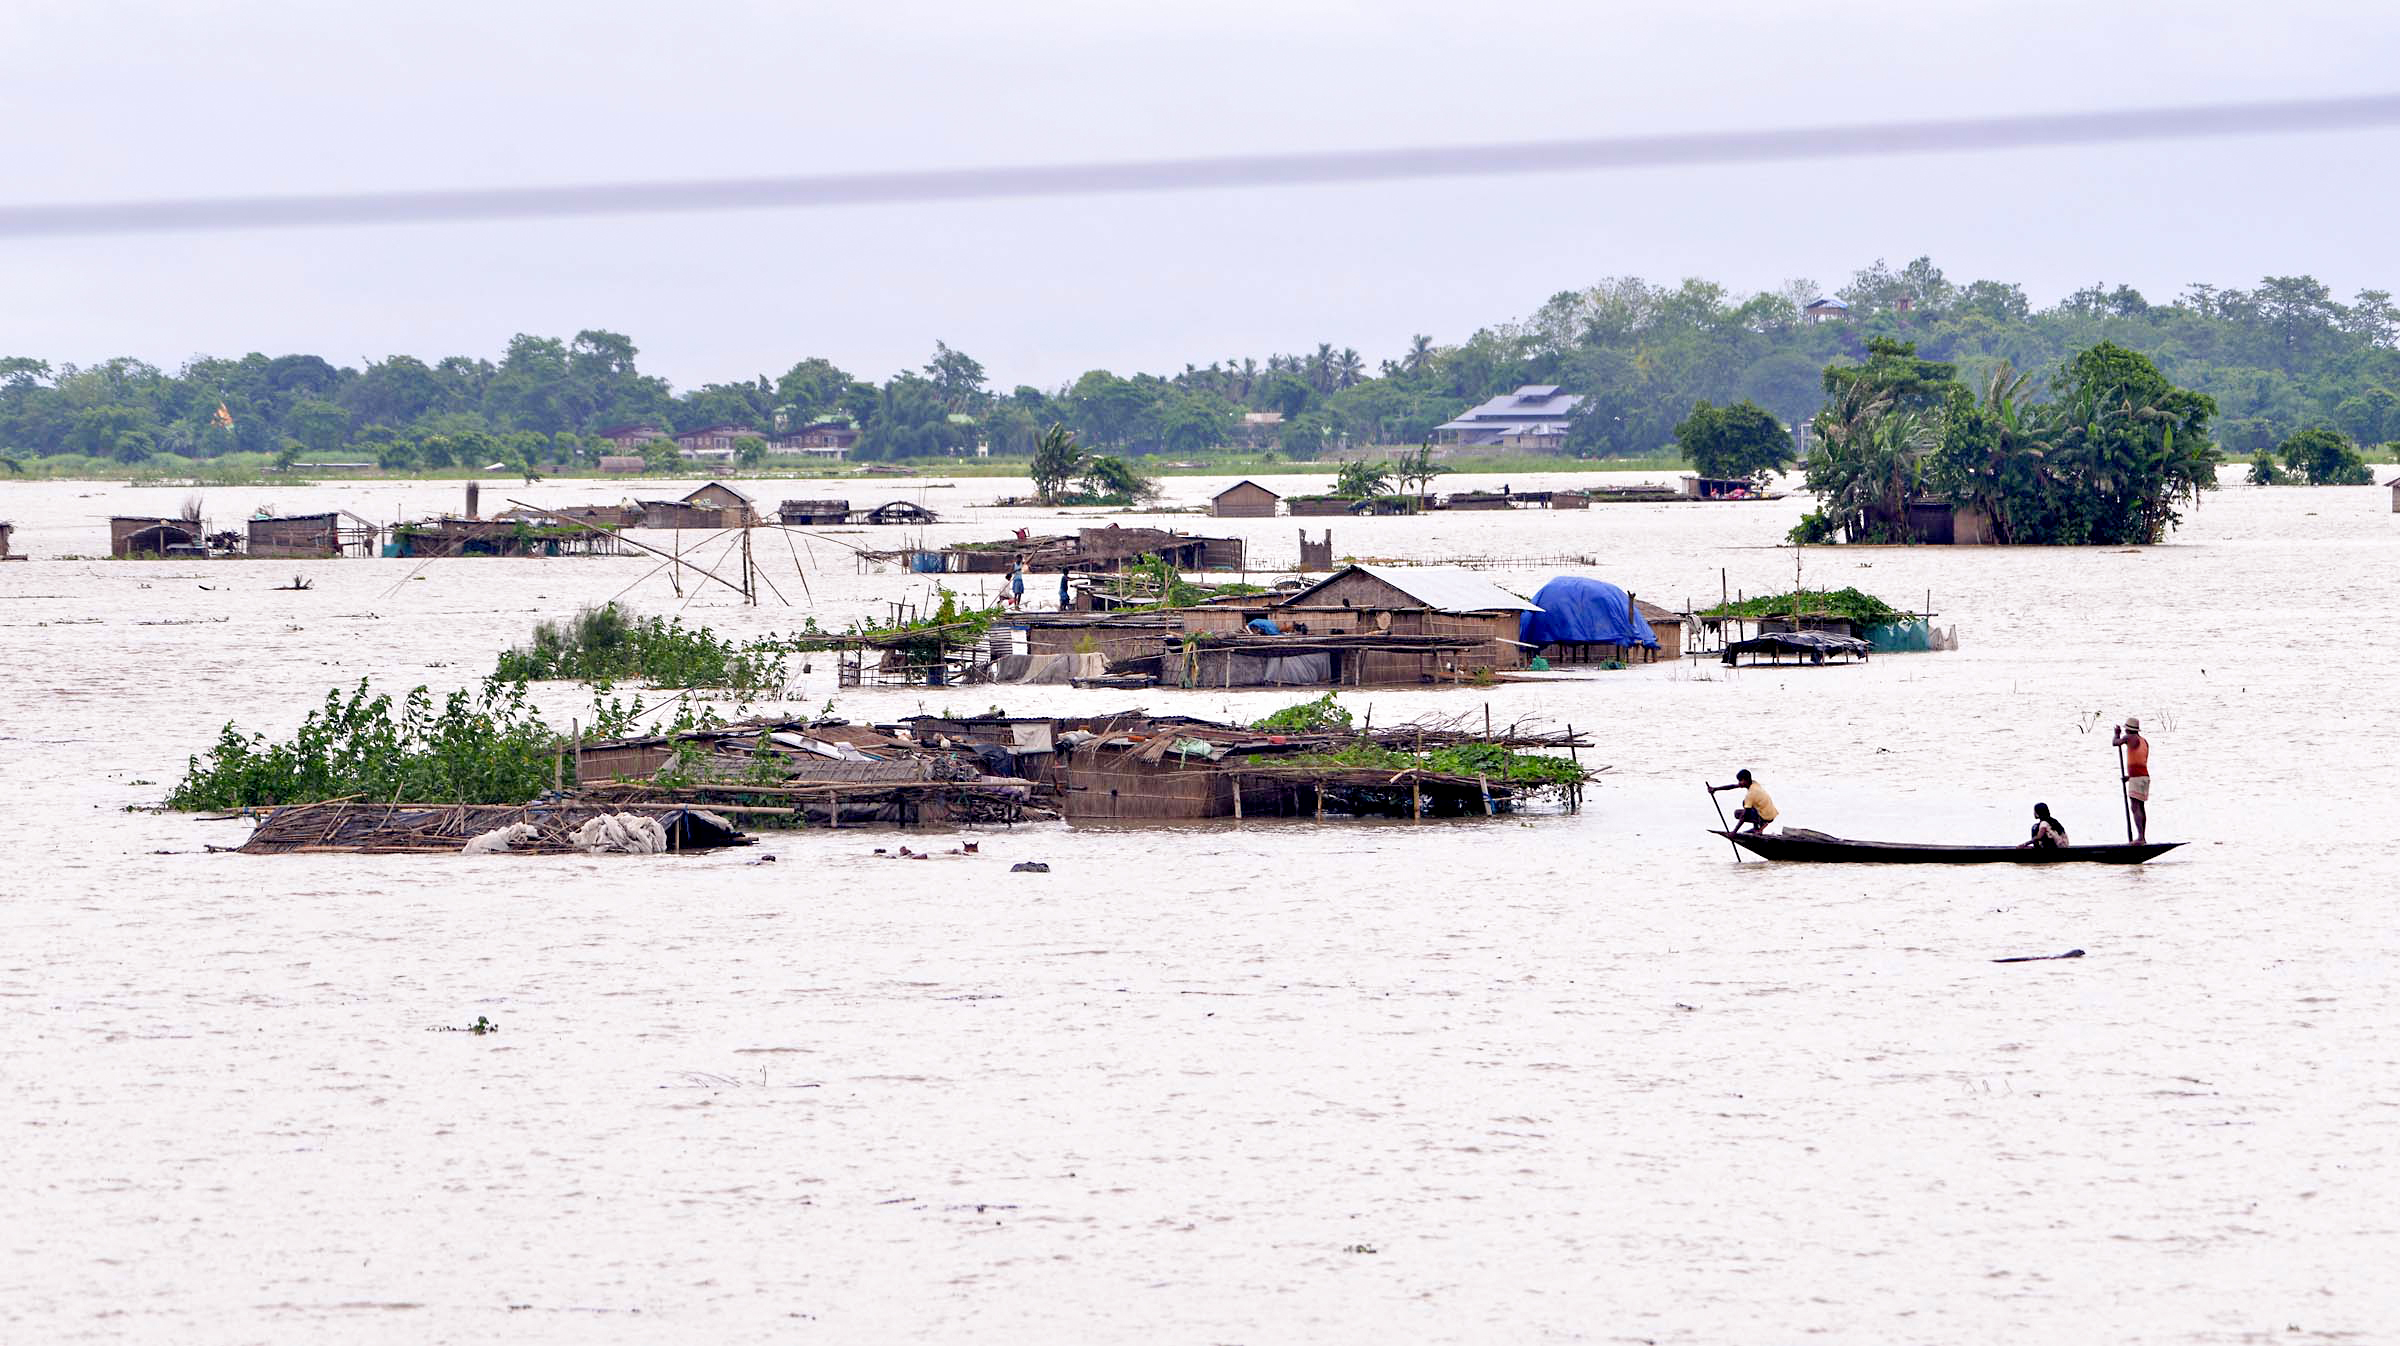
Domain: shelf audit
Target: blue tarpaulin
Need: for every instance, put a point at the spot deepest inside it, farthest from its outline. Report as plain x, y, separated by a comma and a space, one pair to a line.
1575, 610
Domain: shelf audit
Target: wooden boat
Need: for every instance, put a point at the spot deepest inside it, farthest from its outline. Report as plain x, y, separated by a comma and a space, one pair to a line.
1806, 846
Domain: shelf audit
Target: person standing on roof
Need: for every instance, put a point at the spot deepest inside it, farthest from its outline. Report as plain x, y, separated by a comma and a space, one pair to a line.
1757, 810
2137, 774
1016, 588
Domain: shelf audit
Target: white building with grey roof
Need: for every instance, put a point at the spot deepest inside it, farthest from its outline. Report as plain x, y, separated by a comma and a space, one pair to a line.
1533, 417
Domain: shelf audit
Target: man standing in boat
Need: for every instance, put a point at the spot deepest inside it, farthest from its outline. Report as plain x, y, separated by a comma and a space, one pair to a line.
2137, 774
1757, 809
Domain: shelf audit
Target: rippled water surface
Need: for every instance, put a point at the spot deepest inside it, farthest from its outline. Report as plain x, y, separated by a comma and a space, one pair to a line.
1554, 1078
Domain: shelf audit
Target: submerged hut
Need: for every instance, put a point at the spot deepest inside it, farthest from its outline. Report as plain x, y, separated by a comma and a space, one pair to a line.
1441, 601
1245, 499
1588, 621
899, 512
1136, 767
1800, 647
448, 536
1090, 550
818, 513
6, 529
564, 826
1362, 626
134, 537
798, 773
715, 505
313, 536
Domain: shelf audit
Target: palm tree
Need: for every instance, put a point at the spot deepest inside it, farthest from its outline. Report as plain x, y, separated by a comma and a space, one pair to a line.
1320, 367
1869, 461
1420, 354
1056, 460
1999, 455
1349, 368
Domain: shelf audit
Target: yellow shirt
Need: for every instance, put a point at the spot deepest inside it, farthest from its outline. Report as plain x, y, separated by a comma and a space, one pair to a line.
1757, 799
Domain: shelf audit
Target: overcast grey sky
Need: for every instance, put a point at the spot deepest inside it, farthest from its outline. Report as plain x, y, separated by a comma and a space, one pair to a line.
208, 98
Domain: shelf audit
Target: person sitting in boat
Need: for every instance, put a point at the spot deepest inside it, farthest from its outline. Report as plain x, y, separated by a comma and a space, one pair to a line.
2048, 832
1757, 810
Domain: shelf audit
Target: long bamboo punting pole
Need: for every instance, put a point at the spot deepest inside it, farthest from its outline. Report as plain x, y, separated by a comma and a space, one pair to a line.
1720, 808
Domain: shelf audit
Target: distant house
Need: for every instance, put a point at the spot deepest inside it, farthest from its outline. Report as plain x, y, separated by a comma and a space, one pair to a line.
629, 437
615, 463
2394, 483
711, 442
1823, 310
1533, 417
1244, 499
825, 439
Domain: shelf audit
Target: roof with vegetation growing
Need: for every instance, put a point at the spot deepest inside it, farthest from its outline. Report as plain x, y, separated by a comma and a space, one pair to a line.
1863, 608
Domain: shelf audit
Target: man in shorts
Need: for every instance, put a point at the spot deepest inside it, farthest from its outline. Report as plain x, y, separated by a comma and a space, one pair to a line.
2137, 774
1756, 810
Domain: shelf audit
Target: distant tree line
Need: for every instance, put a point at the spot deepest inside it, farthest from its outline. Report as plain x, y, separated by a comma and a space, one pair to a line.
2275, 360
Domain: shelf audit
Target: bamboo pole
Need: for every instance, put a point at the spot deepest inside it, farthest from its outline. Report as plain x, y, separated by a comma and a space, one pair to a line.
674, 556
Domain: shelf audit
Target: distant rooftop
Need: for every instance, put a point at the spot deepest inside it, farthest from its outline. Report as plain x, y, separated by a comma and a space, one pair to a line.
1535, 402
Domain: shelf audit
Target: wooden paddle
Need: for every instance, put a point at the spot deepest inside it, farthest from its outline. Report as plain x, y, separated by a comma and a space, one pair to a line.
1720, 808
2124, 789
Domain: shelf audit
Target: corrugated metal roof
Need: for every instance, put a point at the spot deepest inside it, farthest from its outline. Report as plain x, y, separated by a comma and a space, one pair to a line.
1441, 588
1534, 399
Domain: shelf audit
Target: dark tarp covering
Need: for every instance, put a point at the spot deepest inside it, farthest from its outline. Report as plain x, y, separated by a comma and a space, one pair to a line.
1575, 610
1815, 645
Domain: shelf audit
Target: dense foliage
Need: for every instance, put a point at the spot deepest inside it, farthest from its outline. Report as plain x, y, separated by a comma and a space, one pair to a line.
1864, 608
1739, 441
1307, 717
484, 747
2105, 460
2275, 359
1501, 766
2319, 457
609, 644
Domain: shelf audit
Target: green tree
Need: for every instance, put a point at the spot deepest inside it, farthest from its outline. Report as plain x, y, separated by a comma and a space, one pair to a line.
1741, 440
750, 451
318, 425
1056, 460
1363, 481
1415, 470
2323, 457
810, 391
1110, 480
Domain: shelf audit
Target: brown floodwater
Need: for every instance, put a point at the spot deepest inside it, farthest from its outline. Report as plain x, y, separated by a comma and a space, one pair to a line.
1551, 1077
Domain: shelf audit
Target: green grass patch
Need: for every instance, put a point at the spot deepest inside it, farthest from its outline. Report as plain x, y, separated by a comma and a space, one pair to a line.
607, 644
